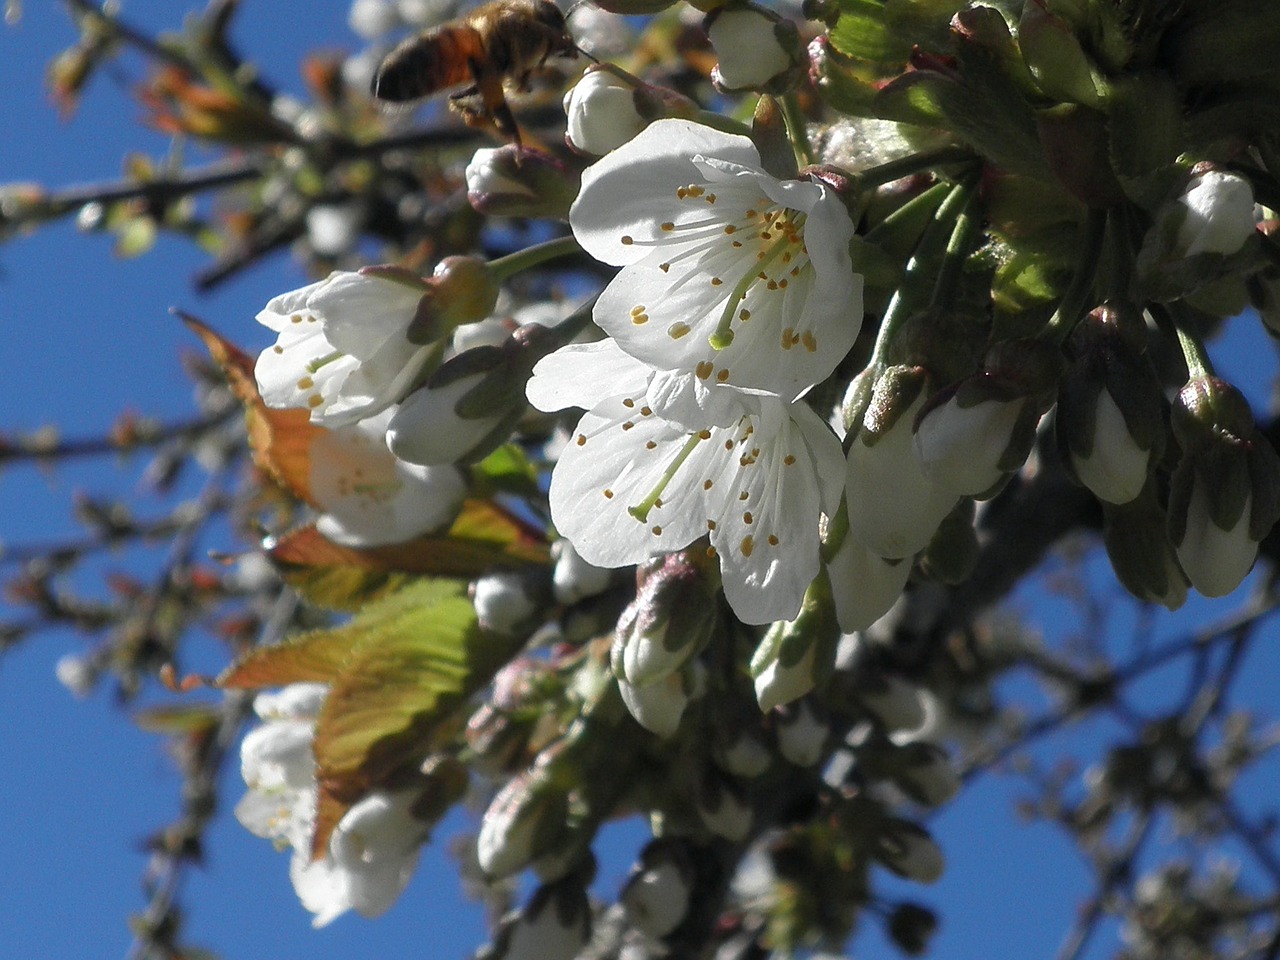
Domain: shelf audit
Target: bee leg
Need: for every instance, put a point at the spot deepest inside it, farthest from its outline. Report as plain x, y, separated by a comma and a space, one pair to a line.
489, 85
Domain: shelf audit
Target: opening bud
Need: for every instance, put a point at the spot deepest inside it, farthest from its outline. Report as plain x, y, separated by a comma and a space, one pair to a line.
756, 49
518, 181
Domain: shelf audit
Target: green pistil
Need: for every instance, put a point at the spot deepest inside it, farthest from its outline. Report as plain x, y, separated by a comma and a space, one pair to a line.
723, 335
324, 361
641, 510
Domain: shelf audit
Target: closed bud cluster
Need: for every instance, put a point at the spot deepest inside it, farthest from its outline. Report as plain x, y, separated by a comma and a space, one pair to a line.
521, 181
608, 106
470, 403
972, 435
757, 49
525, 820
656, 895
795, 655
1225, 492
1109, 421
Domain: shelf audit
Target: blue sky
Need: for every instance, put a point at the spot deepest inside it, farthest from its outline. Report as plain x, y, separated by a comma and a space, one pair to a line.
86, 335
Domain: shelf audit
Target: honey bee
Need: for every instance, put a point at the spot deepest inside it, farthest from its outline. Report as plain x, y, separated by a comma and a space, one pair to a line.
504, 39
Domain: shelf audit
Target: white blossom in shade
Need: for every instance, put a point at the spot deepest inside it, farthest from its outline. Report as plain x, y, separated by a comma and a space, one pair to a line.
427, 13
802, 734
661, 459
726, 270
961, 447
502, 602
75, 673
572, 578
901, 706
555, 925
334, 228
1215, 560
1116, 468
864, 586
894, 506
601, 108
368, 496
371, 857
724, 813
343, 349
747, 46
1219, 215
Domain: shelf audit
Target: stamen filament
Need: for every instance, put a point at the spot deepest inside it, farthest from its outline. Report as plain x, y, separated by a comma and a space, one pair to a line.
641, 510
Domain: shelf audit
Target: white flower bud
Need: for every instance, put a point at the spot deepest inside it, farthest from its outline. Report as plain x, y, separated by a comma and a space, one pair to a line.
899, 705
724, 813
656, 899
748, 47
781, 682
745, 757
427, 429
74, 673
864, 586
659, 705
574, 579
1218, 215
555, 925
1116, 469
961, 447
373, 18
801, 733
1215, 560
602, 113
502, 602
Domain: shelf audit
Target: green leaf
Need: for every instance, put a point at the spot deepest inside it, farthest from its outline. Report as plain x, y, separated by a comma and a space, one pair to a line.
508, 470
886, 31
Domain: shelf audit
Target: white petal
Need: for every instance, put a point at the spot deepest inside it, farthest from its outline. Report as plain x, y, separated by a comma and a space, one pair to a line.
583, 374
280, 310
361, 313
608, 467
1116, 470
632, 190
323, 887
300, 369
960, 447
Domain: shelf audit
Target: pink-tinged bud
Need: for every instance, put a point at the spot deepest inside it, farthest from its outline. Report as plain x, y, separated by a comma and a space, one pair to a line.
864, 586
794, 655
1110, 420
894, 507
519, 181
1225, 492
910, 852
504, 602
802, 733
525, 820
656, 895
673, 616
757, 49
974, 433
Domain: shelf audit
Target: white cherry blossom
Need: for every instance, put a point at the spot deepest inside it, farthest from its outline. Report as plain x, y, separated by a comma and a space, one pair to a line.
660, 460
726, 270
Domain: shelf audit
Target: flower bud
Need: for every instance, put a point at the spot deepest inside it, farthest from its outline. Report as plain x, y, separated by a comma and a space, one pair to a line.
910, 852
743, 756
503, 602
608, 106
1217, 214
1109, 421
722, 809
864, 586
572, 578
525, 820
672, 617
468, 406
924, 772
1225, 492
756, 49
656, 895
554, 925
658, 705
794, 655
802, 733
1055, 57
1137, 540
894, 507
974, 433
897, 704
521, 181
